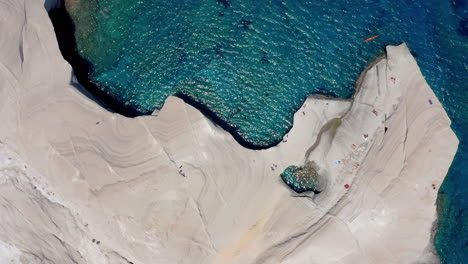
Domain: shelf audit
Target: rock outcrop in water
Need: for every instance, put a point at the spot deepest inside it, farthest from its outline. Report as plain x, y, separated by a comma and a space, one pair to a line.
79, 184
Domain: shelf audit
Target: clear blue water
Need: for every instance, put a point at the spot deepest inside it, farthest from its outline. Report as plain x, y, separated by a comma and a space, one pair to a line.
300, 179
251, 63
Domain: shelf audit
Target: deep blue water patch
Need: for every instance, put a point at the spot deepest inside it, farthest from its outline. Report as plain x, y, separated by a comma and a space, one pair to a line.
250, 64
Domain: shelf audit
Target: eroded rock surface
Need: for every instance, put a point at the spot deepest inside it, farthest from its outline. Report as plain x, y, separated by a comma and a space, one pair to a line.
83, 185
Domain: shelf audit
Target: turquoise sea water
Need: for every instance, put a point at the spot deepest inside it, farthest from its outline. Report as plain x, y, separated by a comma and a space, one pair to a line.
250, 64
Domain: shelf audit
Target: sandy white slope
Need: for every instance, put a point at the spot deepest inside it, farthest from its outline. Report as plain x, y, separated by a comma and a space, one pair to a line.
71, 172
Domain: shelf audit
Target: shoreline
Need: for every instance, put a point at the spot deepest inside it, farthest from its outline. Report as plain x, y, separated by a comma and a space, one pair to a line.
356, 91
330, 124
64, 29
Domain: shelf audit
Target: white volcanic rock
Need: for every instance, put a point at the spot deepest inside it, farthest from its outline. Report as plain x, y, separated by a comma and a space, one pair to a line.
71, 172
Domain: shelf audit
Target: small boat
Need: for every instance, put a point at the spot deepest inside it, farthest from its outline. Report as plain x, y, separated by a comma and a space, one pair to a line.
371, 38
